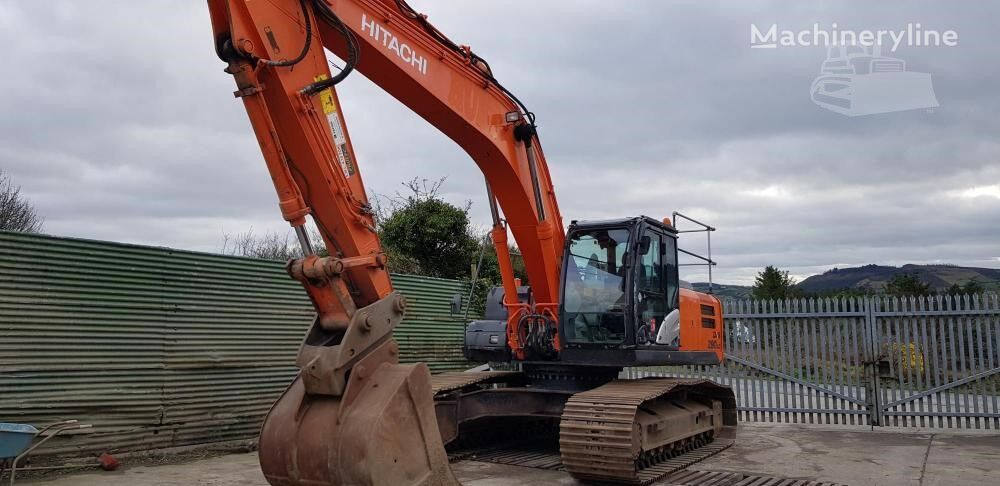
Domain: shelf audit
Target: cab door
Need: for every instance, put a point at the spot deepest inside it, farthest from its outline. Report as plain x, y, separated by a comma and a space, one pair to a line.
655, 283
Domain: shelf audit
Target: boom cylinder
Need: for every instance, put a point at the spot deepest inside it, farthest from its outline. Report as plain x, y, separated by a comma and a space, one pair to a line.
494, 211
533, 170
304, 243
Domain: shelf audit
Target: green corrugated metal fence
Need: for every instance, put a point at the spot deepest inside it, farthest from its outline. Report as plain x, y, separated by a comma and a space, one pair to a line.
161, 348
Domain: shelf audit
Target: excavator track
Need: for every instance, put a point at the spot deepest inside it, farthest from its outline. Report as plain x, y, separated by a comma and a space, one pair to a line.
637, 431
448, 382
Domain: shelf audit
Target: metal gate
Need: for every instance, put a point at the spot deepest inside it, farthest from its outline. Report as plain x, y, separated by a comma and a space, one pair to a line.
937, 364
911, 362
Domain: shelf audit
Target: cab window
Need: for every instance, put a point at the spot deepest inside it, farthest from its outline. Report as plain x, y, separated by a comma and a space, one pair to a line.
656, 284
650, 291
594, 290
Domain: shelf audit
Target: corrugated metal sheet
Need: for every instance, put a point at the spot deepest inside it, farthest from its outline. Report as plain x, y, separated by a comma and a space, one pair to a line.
428, 332
159, 347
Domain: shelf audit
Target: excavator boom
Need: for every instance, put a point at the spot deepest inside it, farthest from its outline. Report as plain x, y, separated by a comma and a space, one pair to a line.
275, 51
332, 426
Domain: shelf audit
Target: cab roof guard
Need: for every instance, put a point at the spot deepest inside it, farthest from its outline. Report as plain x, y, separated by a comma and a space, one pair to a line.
701, 228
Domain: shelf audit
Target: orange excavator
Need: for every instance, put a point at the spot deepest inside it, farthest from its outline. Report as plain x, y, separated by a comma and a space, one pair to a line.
603, 295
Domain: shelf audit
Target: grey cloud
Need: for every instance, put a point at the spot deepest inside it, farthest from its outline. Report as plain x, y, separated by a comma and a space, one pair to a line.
119, 122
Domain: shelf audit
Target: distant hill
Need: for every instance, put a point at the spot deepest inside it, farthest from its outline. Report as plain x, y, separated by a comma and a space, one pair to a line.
723, 291
874, 277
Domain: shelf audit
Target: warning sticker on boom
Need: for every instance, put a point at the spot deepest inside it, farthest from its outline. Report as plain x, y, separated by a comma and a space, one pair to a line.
336, 129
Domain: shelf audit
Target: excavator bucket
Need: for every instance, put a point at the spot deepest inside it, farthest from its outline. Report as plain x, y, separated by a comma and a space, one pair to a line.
353, 415
388, 435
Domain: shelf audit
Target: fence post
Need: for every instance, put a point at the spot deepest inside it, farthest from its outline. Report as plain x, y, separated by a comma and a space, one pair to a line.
870, 352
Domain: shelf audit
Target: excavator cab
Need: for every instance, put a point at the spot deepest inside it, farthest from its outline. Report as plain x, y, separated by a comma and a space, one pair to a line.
621, 301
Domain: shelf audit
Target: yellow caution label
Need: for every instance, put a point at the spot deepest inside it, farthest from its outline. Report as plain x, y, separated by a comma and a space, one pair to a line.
336, 129
326, 97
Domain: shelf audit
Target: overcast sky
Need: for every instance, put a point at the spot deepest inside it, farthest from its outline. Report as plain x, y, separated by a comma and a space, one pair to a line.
119, 124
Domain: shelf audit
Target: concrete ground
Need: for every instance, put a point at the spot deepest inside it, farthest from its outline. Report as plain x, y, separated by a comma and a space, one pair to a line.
852, 456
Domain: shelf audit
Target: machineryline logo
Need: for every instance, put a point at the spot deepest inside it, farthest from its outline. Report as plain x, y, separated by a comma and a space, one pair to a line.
913, 35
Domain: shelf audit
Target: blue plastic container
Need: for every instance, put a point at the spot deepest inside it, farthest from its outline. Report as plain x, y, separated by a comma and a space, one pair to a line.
15, 438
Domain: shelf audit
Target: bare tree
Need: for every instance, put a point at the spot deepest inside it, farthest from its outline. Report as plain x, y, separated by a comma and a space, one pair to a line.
381, 207
418, 189
268, 246
16, 212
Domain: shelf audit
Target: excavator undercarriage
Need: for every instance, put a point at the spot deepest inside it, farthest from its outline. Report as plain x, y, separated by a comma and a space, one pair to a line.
622, 431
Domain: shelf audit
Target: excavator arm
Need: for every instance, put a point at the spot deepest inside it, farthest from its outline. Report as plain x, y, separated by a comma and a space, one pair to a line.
275, 50
353, 410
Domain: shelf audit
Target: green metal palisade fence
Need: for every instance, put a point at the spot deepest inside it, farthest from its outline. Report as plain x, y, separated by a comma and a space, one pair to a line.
161, 348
